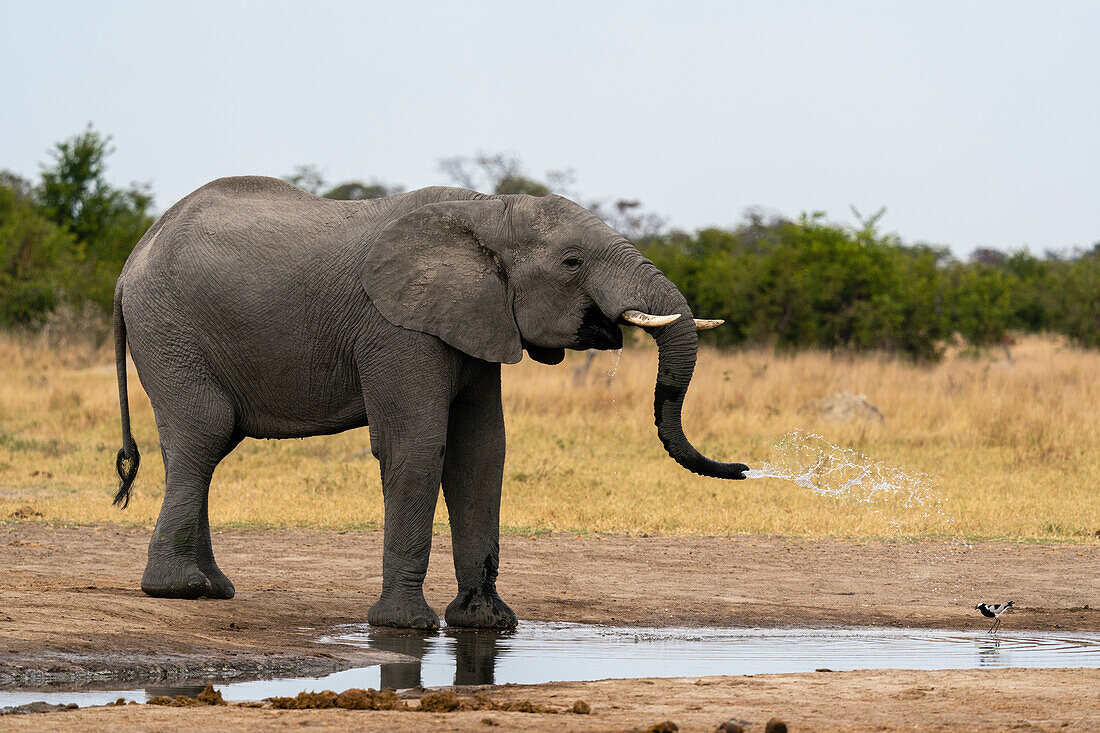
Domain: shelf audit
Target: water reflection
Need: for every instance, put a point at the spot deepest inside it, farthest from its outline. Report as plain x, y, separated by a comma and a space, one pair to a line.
474, 652
173, 690
989, 654
475, 657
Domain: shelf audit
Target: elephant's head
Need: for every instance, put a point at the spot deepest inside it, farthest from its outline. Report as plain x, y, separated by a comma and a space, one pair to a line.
495, 275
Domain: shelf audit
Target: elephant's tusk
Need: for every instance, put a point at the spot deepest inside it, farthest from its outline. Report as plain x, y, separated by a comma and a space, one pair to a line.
703, 324
646, 320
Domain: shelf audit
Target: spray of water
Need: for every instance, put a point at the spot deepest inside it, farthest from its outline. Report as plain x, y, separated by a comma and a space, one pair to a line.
815, 464
904, 499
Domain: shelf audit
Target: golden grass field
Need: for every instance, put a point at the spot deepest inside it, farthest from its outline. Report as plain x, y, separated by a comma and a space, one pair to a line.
1014, 447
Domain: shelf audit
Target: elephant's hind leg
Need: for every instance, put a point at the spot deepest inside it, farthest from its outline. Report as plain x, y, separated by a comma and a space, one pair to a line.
472, 474
181, 562
220, 585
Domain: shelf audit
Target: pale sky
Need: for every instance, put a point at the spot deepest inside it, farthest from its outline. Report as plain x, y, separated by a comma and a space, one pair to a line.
974, 123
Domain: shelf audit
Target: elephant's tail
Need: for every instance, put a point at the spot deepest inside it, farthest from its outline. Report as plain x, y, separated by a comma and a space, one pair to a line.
128, 460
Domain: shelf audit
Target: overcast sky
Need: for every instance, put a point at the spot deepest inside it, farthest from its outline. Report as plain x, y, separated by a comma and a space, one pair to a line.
974, 123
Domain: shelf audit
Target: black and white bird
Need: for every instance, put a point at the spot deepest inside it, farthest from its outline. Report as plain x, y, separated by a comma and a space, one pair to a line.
993, 611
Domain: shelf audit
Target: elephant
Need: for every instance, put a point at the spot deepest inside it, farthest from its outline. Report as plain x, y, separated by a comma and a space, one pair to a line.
255, 309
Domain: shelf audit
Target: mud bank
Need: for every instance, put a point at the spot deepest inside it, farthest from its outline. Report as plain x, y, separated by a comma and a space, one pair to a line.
54, 670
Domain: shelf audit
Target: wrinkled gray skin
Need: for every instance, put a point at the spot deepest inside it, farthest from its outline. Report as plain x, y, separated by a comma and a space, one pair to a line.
254, 309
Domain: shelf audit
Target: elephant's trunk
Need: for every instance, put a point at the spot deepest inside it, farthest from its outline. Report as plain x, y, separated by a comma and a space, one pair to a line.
677, 345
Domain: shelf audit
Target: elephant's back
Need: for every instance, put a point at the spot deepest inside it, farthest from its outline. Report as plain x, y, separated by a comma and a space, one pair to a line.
248, 281
250, 221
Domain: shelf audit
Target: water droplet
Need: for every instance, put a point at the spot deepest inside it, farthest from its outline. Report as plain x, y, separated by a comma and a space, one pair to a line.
616, 355
616, 436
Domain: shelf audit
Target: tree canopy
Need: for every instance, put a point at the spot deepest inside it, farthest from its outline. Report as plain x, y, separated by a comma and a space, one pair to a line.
795, 283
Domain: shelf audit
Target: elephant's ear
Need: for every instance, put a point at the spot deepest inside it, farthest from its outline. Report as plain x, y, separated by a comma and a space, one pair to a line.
438, 270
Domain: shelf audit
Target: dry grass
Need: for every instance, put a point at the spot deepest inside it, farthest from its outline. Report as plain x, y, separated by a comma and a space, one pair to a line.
1015, 447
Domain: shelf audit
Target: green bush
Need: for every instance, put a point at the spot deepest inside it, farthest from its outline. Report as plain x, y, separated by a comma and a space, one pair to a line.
792, 284
105, 221
808, 283
67, 238
35, 264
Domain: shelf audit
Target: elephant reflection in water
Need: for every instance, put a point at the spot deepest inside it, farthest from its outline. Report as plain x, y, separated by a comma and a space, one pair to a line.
173, 690
475, 654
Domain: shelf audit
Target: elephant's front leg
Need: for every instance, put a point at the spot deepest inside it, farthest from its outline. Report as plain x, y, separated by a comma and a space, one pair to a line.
472, 476
412, 462
408, 432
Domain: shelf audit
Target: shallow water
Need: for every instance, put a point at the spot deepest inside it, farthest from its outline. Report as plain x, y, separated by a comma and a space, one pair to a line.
543, 652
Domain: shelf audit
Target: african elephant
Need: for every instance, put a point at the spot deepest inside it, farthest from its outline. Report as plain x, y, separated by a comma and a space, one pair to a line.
254, 309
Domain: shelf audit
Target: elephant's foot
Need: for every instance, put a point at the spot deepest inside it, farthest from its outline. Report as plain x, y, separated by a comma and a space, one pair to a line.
220, 586
175, 578
403, 612
481, 609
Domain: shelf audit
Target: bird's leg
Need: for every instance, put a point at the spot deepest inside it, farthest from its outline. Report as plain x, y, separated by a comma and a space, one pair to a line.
990, 629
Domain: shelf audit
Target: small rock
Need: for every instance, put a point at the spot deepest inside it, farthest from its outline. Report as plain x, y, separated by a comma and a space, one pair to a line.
734, 725
775, 725
489, 721
580, 707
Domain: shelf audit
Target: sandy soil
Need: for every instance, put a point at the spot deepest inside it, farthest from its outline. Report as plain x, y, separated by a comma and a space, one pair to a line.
70, 605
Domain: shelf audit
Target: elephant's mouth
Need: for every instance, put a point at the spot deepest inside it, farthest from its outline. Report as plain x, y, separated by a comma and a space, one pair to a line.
597, 331
543, 354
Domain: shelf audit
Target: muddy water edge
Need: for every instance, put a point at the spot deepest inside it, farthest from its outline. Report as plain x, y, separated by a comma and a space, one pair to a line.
71, 611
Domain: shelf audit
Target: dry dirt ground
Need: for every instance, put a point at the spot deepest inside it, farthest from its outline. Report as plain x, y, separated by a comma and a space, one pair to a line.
70, 606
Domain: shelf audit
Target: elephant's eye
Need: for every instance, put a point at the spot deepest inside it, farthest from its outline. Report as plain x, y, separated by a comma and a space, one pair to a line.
572, 263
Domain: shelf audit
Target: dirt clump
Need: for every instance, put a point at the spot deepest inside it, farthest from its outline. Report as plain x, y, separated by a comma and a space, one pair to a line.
37, 707
208, 696
733, 725
351, 699
179, 701
775, 725
666, 726
446, 701
439, 702
358, 699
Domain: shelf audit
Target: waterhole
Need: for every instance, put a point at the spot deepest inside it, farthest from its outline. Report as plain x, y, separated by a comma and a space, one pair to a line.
545, 652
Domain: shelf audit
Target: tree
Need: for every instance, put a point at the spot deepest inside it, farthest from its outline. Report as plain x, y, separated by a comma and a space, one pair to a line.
106, 222
34, 256
359, 191
308, 178
627, 217
502, 173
